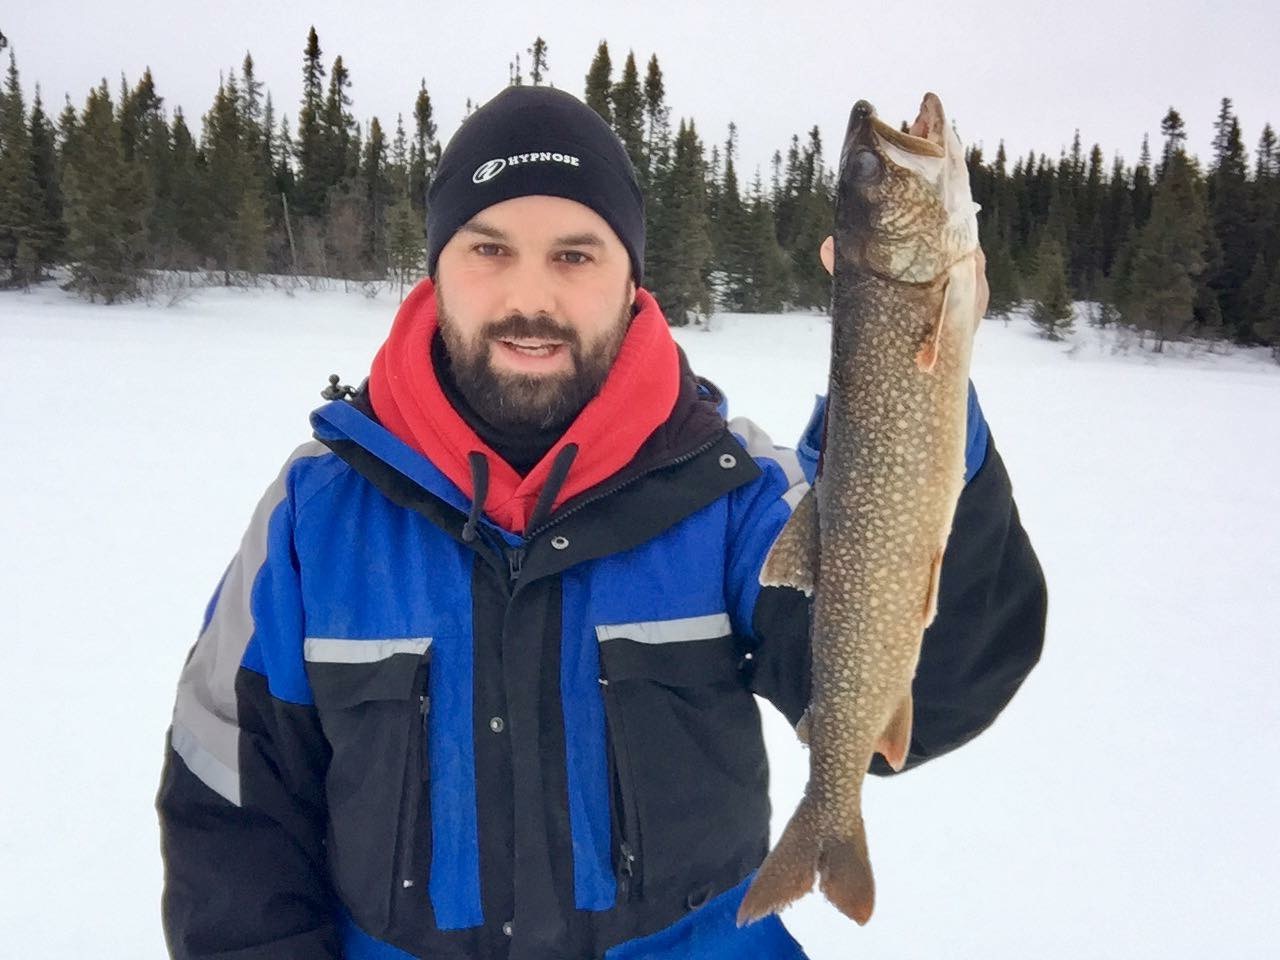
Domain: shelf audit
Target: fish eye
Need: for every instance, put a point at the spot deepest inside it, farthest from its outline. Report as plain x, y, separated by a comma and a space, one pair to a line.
867, 167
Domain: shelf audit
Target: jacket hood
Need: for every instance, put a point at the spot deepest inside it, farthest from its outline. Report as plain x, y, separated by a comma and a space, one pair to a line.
650, 410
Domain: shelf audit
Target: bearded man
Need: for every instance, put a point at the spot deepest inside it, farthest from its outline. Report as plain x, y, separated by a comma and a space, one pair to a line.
480, 681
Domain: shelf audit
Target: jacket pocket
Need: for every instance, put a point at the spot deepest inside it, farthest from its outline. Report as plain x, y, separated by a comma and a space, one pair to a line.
373, 702
691, 779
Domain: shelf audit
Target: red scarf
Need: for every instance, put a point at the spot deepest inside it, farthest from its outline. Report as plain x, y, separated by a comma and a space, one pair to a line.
637, 397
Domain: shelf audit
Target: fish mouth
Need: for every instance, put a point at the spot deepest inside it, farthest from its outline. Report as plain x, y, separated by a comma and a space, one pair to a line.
865, 127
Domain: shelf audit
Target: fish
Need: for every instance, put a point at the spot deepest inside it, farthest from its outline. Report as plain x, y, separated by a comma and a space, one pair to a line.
866, 541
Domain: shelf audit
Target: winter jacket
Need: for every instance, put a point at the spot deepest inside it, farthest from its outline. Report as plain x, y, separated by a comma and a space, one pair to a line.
406, 731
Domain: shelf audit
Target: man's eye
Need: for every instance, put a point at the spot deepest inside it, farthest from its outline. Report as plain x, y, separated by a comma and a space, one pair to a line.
488, 249
574, 257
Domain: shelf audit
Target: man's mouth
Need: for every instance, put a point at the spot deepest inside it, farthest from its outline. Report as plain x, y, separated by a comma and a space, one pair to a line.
532, 346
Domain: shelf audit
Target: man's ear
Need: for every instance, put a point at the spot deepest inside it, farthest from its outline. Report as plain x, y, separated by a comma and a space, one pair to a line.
631, 292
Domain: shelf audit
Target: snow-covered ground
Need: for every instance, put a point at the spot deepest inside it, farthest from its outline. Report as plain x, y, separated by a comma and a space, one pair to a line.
1124, 806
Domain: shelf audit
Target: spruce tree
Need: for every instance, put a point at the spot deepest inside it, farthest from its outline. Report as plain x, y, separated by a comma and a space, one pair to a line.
599, 83
104, 207
21, 205
766, 264
424, 152
406, 247
1169, 255
627, 101
538, 61
49, 233
376, 183
684, 248
1051, 308
312, 180
1229, 204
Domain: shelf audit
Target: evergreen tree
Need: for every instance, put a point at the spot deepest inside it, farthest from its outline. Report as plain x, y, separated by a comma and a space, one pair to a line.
766, 264
1169, 255
1051, 308
1229, 209
599, 83
628, 111
49, 233
376, 182
105, 207
312, 180
538, 59
189, 196
657, 125
406, 247
732, 253
224, 187
1142, 186
424, 152
682, 248
21, 205
340, 133
1174, 132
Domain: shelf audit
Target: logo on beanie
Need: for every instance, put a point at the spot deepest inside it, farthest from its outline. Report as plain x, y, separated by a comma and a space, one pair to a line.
491, 168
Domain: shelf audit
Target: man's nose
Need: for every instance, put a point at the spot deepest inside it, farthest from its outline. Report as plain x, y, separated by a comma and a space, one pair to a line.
530, 288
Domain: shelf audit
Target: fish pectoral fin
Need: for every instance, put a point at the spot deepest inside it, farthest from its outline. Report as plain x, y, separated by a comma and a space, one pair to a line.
793, 558
802, 728
896, 739
927, 356
931, 598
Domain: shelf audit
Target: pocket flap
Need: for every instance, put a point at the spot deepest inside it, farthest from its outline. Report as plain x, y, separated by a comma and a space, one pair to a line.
346, 672
683, 652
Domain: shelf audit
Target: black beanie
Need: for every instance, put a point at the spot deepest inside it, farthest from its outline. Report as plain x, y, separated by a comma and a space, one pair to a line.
535, 140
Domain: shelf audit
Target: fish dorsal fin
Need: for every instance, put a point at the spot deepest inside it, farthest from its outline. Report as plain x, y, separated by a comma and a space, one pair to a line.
793, 558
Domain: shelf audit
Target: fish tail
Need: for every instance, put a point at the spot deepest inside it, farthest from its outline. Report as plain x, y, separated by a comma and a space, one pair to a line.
845, 872
787, 873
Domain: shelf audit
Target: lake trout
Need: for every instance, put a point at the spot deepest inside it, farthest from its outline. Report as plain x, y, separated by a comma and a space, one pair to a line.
866, 542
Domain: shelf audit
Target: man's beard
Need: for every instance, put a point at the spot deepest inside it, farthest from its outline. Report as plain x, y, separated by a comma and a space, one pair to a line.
521, 401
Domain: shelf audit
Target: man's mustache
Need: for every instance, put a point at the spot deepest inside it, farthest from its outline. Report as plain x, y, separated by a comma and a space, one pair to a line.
540, 326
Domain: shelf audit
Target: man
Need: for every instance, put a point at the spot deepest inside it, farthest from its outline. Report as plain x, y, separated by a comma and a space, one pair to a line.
479, 682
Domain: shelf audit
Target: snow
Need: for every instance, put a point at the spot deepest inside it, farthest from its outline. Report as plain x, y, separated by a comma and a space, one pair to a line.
1122, 806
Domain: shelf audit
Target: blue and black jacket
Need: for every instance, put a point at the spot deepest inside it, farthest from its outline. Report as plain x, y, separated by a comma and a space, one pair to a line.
395, 738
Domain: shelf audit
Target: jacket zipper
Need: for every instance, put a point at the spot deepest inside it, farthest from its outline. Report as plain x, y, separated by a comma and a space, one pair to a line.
630, 876
416, 780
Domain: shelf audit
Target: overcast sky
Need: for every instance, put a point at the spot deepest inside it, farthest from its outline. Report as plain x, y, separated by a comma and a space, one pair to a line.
1026, 72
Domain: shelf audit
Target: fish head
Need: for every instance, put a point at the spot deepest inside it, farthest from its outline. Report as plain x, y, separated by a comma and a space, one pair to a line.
903, 207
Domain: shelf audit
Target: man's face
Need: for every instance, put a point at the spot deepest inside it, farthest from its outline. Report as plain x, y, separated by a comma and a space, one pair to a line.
534, 299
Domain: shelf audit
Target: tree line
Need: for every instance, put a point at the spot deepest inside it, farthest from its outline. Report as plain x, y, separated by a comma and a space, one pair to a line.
123, 188
1168, 247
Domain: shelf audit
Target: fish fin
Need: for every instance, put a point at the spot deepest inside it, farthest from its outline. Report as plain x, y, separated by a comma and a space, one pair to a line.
931, 598
896, 739
802, 728
846, 878
927, 357
793, 559
788, 871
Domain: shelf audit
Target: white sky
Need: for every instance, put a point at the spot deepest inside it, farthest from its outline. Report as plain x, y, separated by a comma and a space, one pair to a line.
1025, 72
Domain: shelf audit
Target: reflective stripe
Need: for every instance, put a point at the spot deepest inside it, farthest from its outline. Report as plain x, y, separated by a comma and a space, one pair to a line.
206, 730
758, 444
329, 650
211, 771
667, 631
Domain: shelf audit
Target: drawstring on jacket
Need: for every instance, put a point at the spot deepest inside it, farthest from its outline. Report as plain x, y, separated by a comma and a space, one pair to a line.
479, 464
555, 480
480, 489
